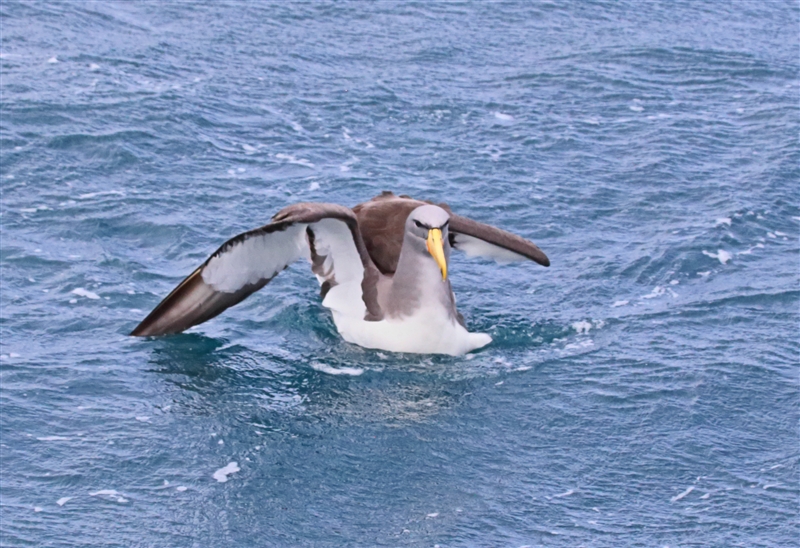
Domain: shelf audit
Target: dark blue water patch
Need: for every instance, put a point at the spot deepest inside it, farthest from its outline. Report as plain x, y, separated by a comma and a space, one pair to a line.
642, 390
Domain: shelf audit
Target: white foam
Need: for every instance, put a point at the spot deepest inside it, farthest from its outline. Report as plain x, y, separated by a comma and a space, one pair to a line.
181, 488
94, 66
346, 166
63, 500
619, 303
656, 292
674, 282
53, 60
81, 292
582, 327
771, 235
53, 438
313, 186
723, 221
503, 116
565, 494
143, 419
13, 355
73, 301
678, 497
722, 255
294, 160
222, 474
432, 515
37, 508
704, 497
249, 149
671, 292
352, 371
112, 493
104, 492
704, 274
636, 108
577, 346
749, 251
103, 193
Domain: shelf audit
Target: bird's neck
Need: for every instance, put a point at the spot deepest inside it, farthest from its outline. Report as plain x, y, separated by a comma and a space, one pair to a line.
417, 280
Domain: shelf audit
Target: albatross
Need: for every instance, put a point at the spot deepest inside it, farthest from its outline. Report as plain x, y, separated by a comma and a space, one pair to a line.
382, 267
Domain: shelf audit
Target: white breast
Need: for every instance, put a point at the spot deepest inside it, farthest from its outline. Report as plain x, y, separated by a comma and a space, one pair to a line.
420, 333
429, 330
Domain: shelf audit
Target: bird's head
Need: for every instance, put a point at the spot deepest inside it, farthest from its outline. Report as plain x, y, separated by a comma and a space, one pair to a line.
427, 226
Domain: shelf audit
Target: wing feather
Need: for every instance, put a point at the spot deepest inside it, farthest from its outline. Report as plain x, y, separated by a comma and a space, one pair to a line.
382, 221
246, 263
478, 239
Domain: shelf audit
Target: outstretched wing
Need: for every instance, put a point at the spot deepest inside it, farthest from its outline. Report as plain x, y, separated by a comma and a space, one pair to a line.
481, 240
382, 221
325, 233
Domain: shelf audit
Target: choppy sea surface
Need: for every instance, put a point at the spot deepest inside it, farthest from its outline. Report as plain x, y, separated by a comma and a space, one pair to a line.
642, 391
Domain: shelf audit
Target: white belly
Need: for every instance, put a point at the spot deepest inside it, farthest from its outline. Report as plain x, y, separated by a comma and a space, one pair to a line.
430, 330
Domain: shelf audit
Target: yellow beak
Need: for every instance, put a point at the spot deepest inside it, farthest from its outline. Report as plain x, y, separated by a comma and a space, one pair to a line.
436, 249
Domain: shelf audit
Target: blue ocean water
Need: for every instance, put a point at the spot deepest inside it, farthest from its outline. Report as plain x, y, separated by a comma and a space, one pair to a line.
642, 391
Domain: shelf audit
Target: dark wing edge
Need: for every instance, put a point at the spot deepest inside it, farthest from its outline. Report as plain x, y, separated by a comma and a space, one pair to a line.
495, 237
191, 303
194, 301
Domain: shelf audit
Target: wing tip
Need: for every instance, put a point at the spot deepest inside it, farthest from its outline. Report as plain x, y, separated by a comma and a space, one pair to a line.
147, 329
140, 330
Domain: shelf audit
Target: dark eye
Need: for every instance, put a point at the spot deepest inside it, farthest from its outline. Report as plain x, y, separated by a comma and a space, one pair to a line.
419, 224
445, 224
